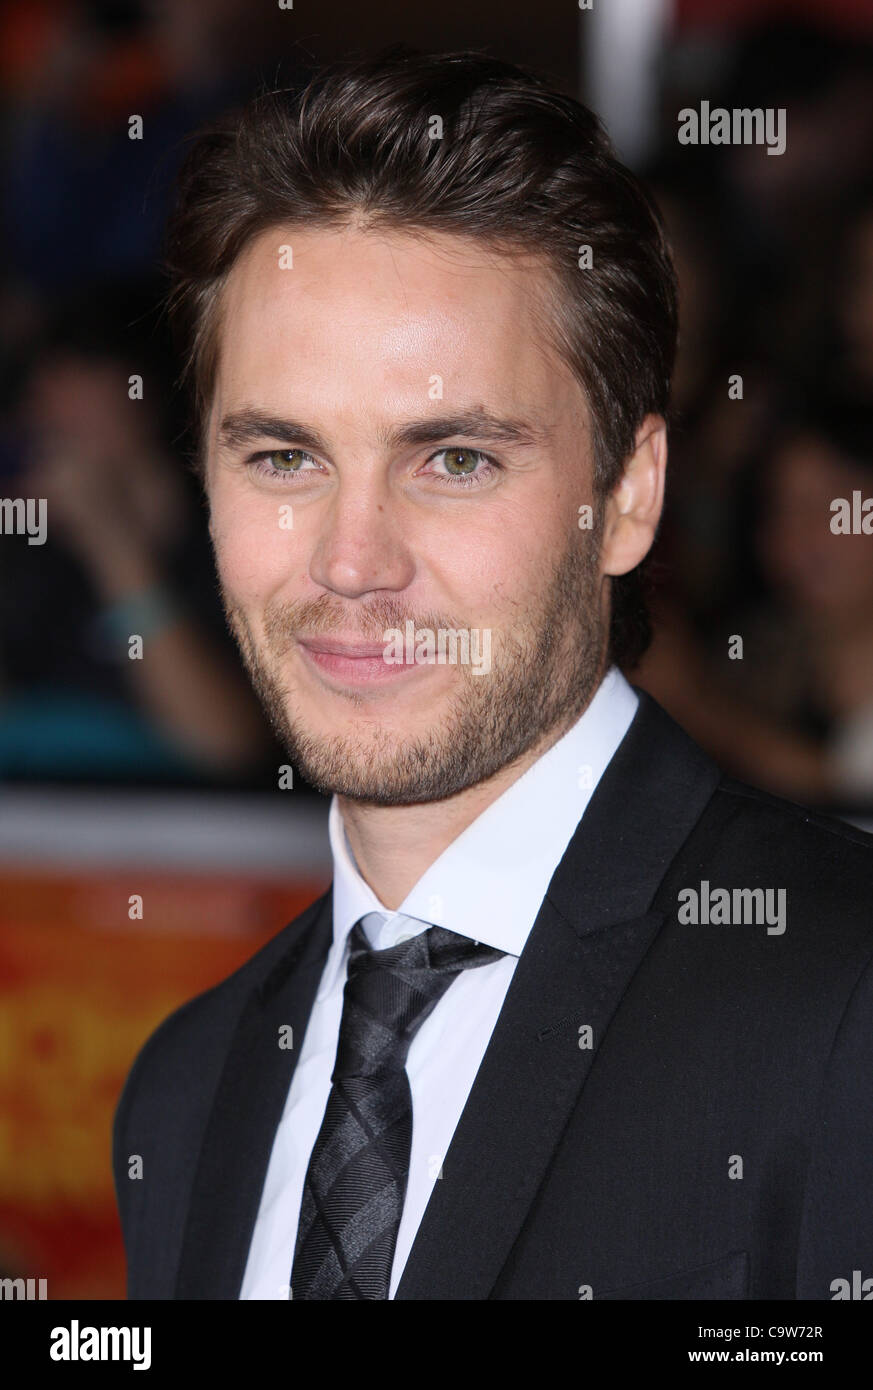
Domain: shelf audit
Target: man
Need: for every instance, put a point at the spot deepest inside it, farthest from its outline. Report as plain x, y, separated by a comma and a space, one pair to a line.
578, 1018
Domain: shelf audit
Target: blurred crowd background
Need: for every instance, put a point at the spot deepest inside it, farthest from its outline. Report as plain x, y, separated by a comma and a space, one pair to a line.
158, 779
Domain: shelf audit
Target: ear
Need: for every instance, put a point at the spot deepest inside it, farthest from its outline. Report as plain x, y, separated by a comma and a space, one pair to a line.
633, 508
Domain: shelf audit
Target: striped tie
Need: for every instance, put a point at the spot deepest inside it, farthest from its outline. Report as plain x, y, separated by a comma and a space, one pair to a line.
356, 1181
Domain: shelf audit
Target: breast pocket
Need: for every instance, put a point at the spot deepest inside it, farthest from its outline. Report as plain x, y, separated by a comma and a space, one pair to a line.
724, 1278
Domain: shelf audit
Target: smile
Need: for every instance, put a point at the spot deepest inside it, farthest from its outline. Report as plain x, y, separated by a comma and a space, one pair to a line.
355, 663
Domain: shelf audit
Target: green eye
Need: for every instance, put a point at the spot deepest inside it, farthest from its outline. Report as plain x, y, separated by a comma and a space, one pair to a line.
460, 466
460, 461
286, 460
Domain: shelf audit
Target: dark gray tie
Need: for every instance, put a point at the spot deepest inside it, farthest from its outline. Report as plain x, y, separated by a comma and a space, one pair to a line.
356, 1181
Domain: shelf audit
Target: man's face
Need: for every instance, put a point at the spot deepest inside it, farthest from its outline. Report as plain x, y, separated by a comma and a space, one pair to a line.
434, 460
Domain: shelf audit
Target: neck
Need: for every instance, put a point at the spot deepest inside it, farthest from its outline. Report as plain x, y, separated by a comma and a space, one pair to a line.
394, 845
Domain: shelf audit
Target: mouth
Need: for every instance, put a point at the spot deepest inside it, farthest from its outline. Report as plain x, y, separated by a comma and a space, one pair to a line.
351, 663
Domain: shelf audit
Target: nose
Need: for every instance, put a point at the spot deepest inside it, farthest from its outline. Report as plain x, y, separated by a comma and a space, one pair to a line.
361, 546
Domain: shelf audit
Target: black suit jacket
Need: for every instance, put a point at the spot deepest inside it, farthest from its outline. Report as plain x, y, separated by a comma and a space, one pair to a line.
716, 1141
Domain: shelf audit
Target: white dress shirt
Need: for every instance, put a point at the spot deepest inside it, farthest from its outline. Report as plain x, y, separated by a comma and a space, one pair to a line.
488, 885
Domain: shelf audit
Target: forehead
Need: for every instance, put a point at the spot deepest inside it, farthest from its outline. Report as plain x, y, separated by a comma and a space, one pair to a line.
348, 314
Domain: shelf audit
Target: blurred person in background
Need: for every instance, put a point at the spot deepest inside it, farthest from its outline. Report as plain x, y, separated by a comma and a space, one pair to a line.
775, 263
794, 711
851, 318
810, 647
123, 555
83, 201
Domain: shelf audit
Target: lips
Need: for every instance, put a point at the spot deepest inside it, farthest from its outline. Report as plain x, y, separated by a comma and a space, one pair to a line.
336, 647
347, 662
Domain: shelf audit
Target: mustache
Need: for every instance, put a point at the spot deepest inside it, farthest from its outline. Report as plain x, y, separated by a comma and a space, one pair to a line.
286, 622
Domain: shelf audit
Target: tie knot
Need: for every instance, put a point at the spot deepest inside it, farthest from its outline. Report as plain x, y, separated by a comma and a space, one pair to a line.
389, 994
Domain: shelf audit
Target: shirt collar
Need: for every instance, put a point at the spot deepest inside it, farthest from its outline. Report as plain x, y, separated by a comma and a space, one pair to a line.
489, 883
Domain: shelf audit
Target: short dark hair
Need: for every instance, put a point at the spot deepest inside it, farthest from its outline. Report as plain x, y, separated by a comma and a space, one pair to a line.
514, 164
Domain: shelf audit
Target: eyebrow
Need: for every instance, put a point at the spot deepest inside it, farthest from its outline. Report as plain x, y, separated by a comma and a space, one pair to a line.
247, 426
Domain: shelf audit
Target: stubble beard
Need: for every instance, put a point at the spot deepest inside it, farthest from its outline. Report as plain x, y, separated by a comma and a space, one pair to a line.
543, 675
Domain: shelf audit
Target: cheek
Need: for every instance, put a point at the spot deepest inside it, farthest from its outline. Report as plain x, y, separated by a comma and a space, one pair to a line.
493, 570
256, 550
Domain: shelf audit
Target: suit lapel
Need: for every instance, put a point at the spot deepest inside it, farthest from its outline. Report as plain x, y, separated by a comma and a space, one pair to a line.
591, 933
521, 1100
248, 1105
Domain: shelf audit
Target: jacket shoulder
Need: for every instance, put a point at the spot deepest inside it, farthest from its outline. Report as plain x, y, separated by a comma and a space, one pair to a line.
749, 839
164, 1107
837, 850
